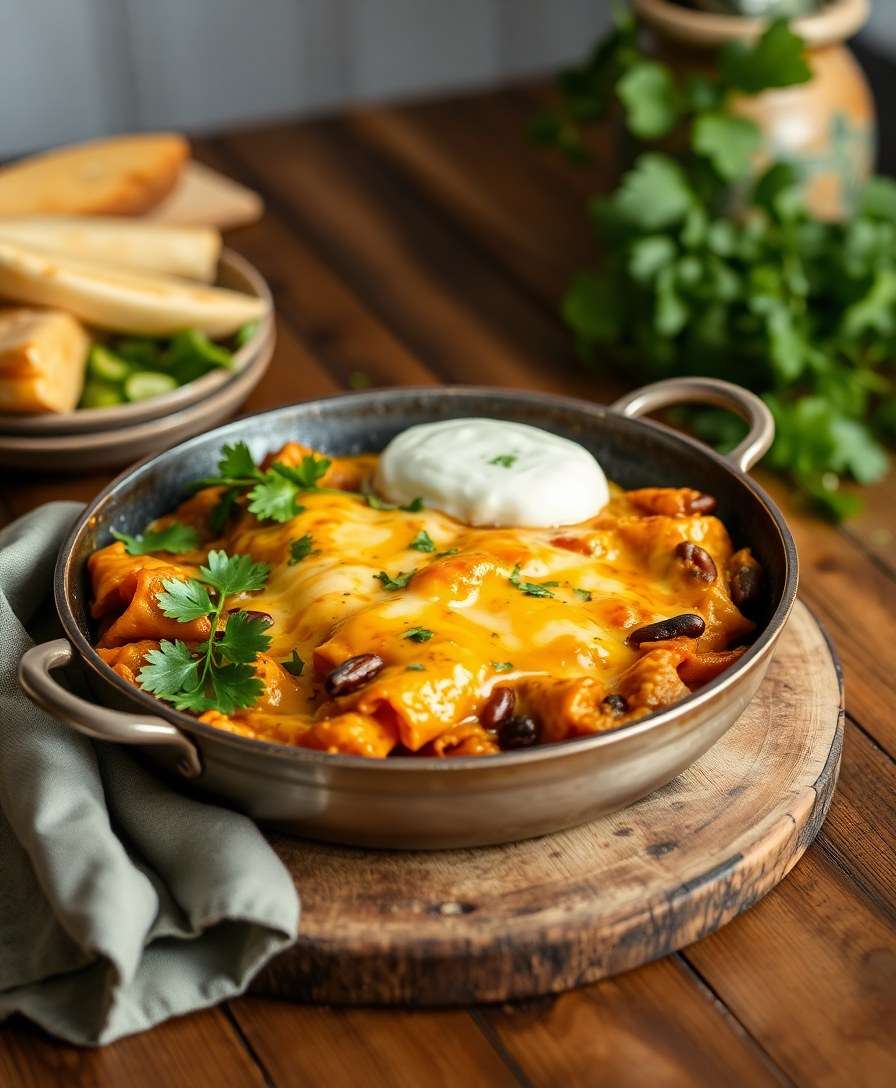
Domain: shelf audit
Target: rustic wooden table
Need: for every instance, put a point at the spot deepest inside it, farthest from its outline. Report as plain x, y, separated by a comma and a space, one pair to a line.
430, 243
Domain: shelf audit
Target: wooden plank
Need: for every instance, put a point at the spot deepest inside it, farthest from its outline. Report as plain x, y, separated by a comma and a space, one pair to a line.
198, 1051
458, 315
811, 973
654, 1026
302, 1045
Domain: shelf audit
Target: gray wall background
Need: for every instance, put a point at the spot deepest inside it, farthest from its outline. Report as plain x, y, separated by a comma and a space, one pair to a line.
71, 69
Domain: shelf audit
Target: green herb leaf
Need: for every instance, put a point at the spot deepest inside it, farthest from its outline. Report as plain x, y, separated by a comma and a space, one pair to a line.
413, 507
400, 580
223, 508
505, 460
236, 461
275, 498
295, 665
728, 142
653, 194
300, 549
776, 59
234, 687
418, 634
503, 666
175, 538
651, 99
422, 542
305, 475
531, 589
230, 574
583, 594
415, 668
184, 600
171, 668
243, 639
244, 333
376, 503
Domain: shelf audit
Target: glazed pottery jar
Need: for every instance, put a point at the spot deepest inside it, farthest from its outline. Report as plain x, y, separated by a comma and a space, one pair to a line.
826, 126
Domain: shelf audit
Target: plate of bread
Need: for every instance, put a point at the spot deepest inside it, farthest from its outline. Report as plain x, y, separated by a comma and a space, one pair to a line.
115, 312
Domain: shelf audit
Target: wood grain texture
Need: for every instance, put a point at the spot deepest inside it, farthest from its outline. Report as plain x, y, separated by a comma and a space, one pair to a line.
541, 916
199, 1051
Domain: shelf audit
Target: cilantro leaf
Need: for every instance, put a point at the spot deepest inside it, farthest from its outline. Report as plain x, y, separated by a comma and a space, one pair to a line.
174, 538
244, 638
422, 542
223, 508
653, 194
236, 461
400, 580
729, 142
418, 634
305, 475
531, 589
230, 574
275, 498
300, 549
651, 99
234, 686
505, 460
776, 59
184, 600
502, 666
171, 668
414, 506
583, 594
376, 503
295, 665
415, 668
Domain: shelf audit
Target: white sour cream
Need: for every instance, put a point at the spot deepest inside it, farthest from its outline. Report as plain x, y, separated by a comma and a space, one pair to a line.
492, 472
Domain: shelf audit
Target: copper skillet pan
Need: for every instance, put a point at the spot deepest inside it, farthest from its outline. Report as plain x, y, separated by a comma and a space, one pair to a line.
429, 803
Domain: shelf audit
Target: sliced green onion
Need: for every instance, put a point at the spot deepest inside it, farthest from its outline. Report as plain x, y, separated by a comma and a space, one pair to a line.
98, 394
148, 383
107, 366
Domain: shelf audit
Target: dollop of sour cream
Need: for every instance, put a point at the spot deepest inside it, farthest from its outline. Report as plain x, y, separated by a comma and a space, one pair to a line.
493, 472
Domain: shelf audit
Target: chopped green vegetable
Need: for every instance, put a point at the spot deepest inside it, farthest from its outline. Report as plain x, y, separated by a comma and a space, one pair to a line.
422, 542
244, 334
273, 493
295, 665
191, 354
413, 507
300, 549
105, 366
414, 667
584, 594
218, 674
143, 384
100, 395
400, 580
531, 589
505, 460
174, 538
706, 270
502, 666
418, 634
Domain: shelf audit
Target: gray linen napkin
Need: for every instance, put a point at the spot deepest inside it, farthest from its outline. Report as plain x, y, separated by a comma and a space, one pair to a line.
121, 902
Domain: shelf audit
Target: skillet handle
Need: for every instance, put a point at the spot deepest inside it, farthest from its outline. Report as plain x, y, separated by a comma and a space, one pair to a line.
98, 722
650, 398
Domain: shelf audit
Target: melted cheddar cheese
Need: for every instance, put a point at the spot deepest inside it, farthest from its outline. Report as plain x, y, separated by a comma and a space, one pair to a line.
467, 621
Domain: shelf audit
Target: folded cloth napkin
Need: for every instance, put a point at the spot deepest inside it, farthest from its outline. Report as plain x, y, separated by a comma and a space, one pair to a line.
121, 902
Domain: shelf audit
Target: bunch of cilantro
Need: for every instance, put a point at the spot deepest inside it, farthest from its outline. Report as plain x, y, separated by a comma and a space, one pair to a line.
708, 270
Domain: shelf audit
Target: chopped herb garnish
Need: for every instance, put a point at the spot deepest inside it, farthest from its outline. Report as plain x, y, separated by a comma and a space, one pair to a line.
415, 668
502, 666
531, 589
413, 507
300, 549
295, 665
219, 673
400, 580
376, 503
505, 460
422, 542
450, 551
175, 538
585, 594
418, 634
273, 492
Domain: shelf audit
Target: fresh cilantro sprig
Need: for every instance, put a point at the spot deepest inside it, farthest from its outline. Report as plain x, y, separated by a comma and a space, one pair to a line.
175, 538
505, 460
300, 549
531, 589
706, 270
399, 581
273, 493
422, 542
418, 634
219, 673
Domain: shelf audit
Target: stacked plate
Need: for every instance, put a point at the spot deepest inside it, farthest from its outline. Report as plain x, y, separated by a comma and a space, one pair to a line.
93, 438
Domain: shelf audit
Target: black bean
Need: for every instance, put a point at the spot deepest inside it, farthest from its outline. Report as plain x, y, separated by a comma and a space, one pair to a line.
616, 703
352, 674
702, 504
518, 732
498, 707
745, 586
688, 624
697, 561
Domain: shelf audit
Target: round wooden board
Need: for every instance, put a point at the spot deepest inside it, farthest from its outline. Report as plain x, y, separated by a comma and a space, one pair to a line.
536, 917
